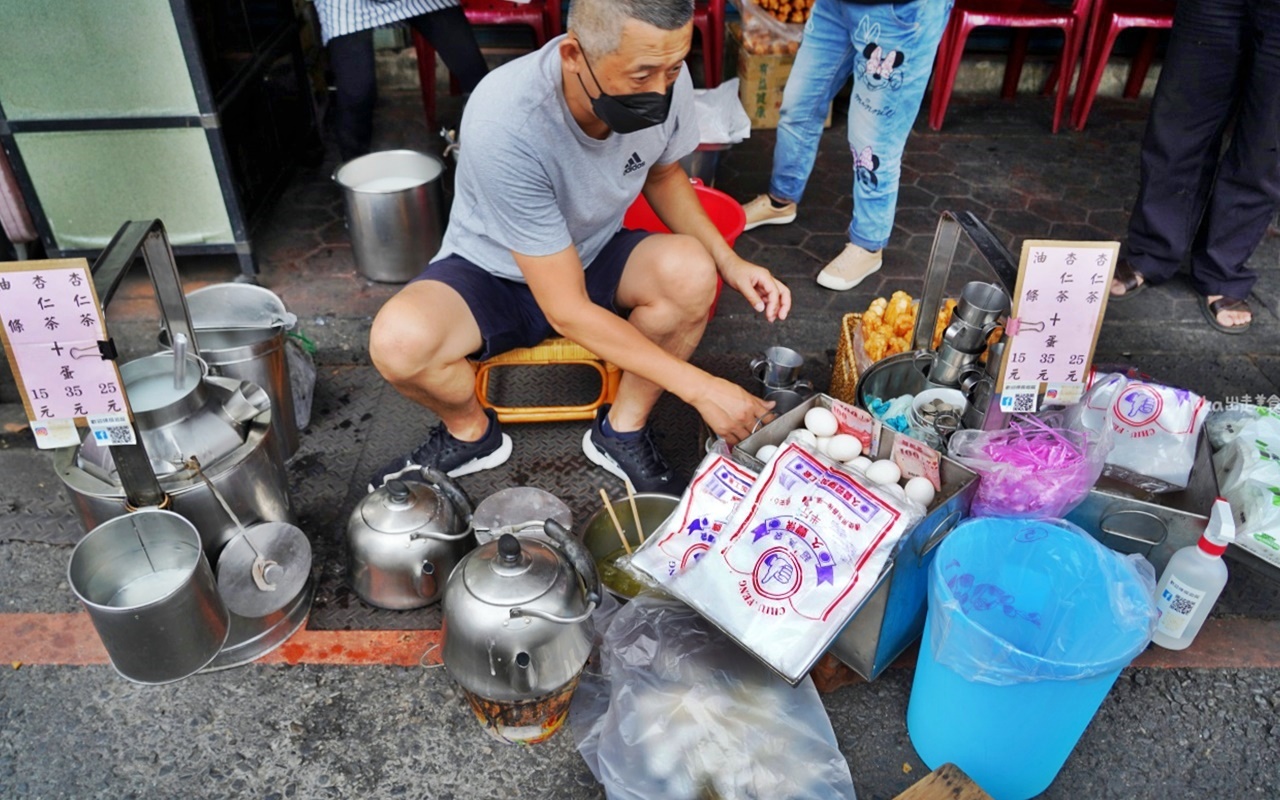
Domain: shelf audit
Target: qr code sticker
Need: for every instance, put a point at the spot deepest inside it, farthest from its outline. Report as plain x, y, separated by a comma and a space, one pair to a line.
1181, 605
1019, 399
110, 435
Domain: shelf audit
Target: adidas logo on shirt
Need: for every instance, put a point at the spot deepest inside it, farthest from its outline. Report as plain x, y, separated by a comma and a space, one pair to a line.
634, 163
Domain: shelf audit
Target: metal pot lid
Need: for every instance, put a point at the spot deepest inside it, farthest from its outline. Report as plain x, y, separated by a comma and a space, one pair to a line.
511, 570
402, 506
262, 569
237, 305
516, 509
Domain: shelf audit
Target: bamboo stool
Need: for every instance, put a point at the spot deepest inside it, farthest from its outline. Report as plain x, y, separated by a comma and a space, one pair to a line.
558, 351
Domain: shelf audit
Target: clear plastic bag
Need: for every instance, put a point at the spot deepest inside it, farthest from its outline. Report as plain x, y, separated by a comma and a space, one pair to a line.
1155, 429
298, 352
679, 712
1033, 468
765, 34
1247, 463
1012, 601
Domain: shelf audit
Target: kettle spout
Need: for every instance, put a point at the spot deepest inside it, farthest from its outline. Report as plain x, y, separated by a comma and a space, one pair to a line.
523, 675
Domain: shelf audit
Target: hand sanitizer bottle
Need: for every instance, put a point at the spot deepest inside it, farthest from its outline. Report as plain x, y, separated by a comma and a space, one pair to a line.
1192, 581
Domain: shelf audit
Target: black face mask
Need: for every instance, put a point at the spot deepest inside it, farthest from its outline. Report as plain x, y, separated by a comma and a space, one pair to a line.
627, 113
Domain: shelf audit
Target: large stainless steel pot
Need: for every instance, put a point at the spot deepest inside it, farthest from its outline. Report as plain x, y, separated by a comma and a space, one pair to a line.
221, 423
517, 616
404, 539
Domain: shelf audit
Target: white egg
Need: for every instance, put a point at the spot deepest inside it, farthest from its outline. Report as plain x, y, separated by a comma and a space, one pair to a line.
821, 421
766, 452
921, 490
823, 441
884, 472
861, 464
843, 447
802, 436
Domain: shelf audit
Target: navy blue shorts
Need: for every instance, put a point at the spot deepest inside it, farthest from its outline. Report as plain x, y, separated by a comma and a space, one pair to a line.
505, 310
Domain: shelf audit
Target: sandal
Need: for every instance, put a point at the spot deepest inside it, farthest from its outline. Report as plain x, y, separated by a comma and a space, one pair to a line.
1212, 310
1132, 281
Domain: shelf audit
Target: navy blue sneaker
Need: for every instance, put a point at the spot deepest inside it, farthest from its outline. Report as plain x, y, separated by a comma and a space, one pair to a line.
632, 457
449, 455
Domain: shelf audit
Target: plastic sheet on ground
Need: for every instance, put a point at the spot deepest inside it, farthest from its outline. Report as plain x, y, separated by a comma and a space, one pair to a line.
677, 711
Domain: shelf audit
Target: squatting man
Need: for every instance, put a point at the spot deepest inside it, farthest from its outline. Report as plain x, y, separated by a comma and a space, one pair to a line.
555, 147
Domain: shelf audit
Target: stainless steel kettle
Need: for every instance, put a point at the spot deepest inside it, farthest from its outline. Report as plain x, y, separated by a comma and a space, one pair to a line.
404, 539
517, 616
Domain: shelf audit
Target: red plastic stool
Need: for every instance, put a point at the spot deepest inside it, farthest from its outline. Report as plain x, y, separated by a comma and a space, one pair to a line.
543, 16
1021, 14
708, 19
1108, 19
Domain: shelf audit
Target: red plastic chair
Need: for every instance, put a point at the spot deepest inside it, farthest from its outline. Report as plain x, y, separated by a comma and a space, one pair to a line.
708, 20
1022, 15
1108, 19
543, 16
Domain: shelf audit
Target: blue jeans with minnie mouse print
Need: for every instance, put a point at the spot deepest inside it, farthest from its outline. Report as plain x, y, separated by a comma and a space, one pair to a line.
889, 49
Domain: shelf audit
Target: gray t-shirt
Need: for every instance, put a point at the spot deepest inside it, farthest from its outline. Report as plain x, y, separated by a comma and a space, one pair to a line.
530, 181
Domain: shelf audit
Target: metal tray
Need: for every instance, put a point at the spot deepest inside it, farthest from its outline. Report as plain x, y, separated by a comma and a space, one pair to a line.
1129, 520
892, 616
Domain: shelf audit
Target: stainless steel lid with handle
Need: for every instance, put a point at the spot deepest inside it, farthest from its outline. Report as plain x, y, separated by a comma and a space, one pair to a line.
512, 571
520, 510
407, 507
261, 570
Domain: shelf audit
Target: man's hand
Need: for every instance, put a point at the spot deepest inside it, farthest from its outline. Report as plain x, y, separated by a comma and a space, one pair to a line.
729, 410
764, 292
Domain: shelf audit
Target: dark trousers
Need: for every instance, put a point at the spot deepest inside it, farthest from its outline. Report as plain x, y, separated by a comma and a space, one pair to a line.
351, 59
1223, 64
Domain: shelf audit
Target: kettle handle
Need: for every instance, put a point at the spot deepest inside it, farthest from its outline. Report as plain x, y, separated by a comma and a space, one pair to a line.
578, 556
458, 498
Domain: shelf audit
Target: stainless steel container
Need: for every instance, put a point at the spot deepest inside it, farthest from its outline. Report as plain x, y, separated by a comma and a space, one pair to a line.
517, 630
1130, 520
240, 332
892, 615
395, 212
147, 586
224, 423
405, 538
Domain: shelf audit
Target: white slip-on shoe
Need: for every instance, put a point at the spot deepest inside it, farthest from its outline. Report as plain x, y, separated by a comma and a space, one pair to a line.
762, 211
850, 268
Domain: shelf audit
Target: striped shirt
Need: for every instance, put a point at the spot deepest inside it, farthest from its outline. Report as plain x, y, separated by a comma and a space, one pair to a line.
340, 17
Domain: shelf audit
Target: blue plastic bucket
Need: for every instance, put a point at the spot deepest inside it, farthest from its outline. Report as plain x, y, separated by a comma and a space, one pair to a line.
1029, 625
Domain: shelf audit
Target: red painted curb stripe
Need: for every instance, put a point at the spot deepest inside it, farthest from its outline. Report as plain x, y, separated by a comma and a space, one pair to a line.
70, 640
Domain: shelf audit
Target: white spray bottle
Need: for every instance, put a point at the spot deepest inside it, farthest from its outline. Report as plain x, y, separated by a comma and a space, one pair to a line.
1193, 580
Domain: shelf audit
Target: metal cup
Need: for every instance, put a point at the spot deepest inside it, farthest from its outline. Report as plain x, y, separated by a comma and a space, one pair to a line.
778, 367
786, 399
981, 304
151, 595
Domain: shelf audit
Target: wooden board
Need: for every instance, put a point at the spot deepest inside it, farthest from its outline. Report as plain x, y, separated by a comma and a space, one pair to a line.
947, 782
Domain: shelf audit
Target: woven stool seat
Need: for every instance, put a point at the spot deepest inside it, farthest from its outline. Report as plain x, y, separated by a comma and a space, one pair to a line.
554, 351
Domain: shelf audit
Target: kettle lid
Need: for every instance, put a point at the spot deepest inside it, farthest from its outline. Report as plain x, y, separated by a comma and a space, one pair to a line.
402, 506
511, 570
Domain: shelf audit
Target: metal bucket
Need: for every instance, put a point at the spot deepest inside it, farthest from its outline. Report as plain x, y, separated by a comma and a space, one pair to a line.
151, 595
395, 210
240, 332
703, 162
601, 538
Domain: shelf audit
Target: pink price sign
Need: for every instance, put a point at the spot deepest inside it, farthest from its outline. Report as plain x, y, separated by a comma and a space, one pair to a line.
1057, 313
51, 326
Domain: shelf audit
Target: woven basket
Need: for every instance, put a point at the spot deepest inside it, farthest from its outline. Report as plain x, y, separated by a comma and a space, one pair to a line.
844, 373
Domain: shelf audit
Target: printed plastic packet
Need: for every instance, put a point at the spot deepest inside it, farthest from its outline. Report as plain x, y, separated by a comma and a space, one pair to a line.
717, 487
801, 552
1154, 429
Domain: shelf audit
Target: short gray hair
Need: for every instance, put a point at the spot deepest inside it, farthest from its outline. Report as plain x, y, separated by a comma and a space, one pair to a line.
598, 23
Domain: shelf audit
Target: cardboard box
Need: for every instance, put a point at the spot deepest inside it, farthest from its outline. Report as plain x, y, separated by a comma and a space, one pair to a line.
761, 78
